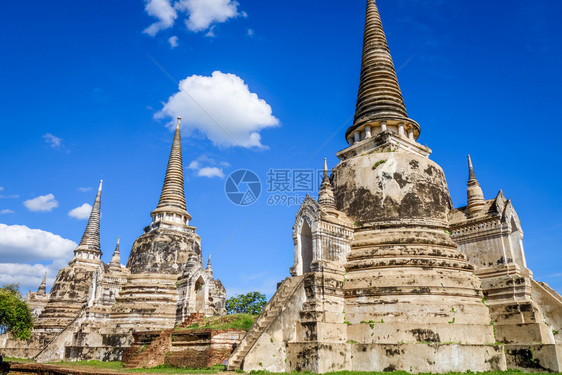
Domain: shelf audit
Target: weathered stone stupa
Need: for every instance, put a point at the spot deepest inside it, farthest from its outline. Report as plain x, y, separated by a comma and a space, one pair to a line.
379, 283
37, 300
93, 308
74, 290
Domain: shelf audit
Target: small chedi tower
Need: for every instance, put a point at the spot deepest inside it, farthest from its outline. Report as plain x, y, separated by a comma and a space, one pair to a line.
527, 314
379, 283
38, 300
93, 308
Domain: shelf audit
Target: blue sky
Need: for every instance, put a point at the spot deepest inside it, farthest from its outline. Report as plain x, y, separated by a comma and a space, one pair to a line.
86, 88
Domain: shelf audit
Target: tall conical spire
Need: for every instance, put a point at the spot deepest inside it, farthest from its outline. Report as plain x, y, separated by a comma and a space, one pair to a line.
475, 196
42, 290
115, 263
326, 197
172, 192
91, 239
171, 206
379, 98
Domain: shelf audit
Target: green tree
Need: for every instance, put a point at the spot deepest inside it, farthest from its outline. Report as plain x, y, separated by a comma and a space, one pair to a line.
15, 315
249, 303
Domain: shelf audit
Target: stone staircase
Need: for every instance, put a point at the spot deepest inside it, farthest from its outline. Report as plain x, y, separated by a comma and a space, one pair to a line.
56, 347
547, 289
551, 307
270, 311
150, 348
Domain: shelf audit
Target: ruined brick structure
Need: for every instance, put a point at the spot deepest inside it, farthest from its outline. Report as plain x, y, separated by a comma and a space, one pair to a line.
181, 347
388, 275
93, 308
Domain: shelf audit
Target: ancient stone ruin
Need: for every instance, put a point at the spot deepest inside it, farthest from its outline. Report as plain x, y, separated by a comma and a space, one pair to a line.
93, 308
388, 275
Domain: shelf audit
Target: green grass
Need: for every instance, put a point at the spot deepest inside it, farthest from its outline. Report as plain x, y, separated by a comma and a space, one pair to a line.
118, 367
164, 369
18, 360
378, 163
509, 372
96, 364
233, 321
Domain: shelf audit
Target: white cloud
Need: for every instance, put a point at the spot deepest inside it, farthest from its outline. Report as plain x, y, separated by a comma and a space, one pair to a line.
6, 212
231, 115
11, 196
29, 276
195, 164
211, 32
26, 254
210, 172
84, 189
52, 140
20, 244
173, 40
204, 159
43, 203
203, 13
208, 167
164, 11
82, 212
251, 33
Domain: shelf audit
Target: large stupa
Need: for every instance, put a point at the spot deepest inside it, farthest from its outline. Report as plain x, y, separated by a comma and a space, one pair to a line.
388, 275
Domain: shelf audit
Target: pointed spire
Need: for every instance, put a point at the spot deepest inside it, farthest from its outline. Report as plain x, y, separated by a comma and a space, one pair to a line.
379, 98
172, 198
326, 197
471, 174
475, 196
209, 267
115, 263
172, 192
91, 239
42, 290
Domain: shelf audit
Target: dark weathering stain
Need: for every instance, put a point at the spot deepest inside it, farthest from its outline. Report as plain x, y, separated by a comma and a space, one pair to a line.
422, 290
524, 358
392, 352
411, 206
163, 251
425, 335
427, 195
390, 368
400, 180
430, 170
